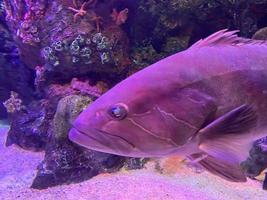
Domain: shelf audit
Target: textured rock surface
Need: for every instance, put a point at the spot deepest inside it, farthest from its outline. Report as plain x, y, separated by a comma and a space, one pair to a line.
257, 160
68, 109
66, 163
29, 128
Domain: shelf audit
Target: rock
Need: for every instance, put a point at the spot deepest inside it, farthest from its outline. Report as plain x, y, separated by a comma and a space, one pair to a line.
29, 128
68, 109
66, 162
257, 160
135, 163
261, 34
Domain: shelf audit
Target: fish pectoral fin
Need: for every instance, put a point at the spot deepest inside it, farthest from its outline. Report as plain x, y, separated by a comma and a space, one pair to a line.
229, 138
237, 121
230, 172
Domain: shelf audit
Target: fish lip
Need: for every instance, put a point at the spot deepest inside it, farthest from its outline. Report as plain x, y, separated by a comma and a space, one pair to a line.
98, 131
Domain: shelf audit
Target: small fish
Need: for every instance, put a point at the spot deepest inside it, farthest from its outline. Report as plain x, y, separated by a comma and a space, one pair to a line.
208, 103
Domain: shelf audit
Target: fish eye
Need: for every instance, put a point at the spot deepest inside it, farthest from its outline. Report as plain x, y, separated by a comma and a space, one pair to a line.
118, 111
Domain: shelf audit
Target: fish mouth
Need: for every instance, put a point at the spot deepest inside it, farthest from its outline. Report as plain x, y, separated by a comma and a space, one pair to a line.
102, 141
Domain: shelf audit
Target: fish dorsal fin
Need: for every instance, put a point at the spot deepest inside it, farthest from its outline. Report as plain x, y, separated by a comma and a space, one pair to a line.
225, 37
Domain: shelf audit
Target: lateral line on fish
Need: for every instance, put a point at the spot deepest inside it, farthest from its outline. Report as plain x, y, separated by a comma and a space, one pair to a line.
151, 133
192, 100
142, 114
176, 119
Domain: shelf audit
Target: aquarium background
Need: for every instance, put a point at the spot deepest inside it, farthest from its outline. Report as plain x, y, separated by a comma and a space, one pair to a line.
57, 57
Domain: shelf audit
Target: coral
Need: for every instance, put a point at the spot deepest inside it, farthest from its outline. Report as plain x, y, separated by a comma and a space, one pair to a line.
14, 75
84, 87
156, 22
49, 55
14, 103
31, 12
39, 80
83, 49
51, 29
119, 17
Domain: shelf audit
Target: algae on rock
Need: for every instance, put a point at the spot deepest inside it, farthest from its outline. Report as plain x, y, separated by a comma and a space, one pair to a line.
68, 109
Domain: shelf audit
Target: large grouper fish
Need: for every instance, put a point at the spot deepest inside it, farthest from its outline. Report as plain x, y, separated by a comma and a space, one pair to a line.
208, 103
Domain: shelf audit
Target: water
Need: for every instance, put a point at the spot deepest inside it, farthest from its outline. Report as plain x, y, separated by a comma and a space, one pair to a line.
58, 57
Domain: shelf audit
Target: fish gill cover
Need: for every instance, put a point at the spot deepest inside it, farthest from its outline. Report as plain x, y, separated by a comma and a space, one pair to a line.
57, 57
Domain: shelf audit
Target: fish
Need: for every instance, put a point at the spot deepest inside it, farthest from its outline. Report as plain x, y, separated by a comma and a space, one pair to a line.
207, 103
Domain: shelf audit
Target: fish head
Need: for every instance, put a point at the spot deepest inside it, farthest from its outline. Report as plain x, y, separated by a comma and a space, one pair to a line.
123, 122
138, 119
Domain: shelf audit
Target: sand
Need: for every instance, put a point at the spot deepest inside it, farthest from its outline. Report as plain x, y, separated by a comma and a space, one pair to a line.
176, 182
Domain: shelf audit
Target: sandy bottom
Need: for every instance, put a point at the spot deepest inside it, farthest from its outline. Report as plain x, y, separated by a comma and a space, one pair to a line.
177, 182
